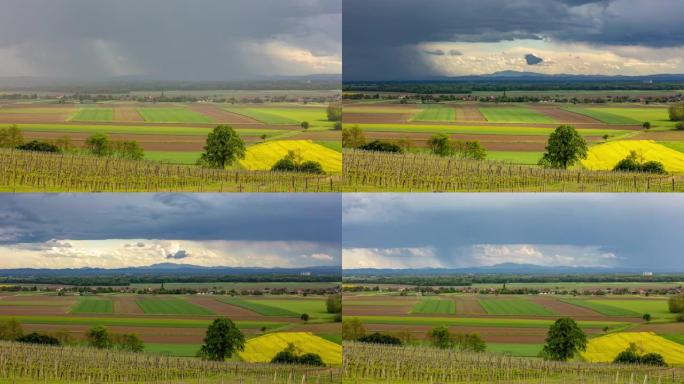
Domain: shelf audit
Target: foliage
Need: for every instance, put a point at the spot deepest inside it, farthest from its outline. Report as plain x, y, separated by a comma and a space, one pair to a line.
441, 145
223, 338
98, 145
565, 147
470, 342
631, 356
379, 338
38, 338
127, 342
675, 303
333, 304
304, 125
128, 149
565, 338
292, 163
352, 137
304, 317
10, 329
441, 337
646, 317
676, 112
98, 337
381, 146
352, 328
289, 356
11, 137
634, 163
655, 359
223, 147
334, 112
39, 146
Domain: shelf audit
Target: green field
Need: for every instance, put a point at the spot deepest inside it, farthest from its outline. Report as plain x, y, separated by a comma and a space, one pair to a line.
481, 322
135, 322
173, 157
605, 115
519, 350
434, 306
676, 145
676, 337
484, 130
435, 112
93, 114
315, 308
172, 115
514, 115
178, 350
603, 307
264, 115
259, 307
93, 305
315, 115
528, 158
514, 307
171, 307
334, 145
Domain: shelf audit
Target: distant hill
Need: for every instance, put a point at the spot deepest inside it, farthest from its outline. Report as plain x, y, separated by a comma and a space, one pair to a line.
498, 269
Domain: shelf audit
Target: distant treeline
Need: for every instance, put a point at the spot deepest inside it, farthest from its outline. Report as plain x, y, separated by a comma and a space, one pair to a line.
503, 84
466, 281
158, 279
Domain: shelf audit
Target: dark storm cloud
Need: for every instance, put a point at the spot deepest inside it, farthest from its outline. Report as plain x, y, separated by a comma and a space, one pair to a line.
35, 218
377, 31
436, 52
180, 254
177, 39
532, 59
449, 224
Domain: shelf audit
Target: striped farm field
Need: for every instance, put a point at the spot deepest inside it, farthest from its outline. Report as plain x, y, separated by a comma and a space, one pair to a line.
514, 307
264, 156
135, 129
435, 112
515, 115
93, 114
482, 322
171, 307
434, 306
264, 115
172, 115
606, 115
657, 308
263, 348
134, 322
258, 307
605, 156
483, 130
603, 307
93, 305
606, 348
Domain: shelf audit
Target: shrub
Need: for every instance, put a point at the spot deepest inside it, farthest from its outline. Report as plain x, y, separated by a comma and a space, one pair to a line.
654, 359
291, 163
38, 338
441, 337
39, 146
304, 317
646, 125
679, 126
627, 356
381, 146
11, 137
10, 329
334, 112
352, 137
632, 163
379, 338
289, 356
352, 329
676, 303
646, 317
333, 304
311, 359
653, 167
630, 356
676, 112
311, 166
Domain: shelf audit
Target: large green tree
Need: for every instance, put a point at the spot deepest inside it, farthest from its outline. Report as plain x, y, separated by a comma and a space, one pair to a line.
98, 337
98, 144
223, 338
441, 144
564, 148
564, 340
223, 147
441, 337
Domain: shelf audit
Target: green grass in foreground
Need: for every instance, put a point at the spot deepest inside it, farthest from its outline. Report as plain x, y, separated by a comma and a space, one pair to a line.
603, 307
173, 157
435, 112
515, 115
526, 158
136, 322
172, 115
434, 306
259, 307
514, 307
93, 114
93, 305
169, 349
484, 130
481, 322
171, 307
519, 350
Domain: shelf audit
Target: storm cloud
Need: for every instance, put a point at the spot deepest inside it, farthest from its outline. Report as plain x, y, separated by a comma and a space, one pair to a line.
532, 59
170, 39
385, 39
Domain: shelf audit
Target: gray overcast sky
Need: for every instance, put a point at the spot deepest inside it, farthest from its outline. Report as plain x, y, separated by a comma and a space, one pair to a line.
118, 230
400, 39
464, 230
170, 39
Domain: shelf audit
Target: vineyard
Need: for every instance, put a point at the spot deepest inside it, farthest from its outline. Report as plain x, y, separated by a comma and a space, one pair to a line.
375, 171
365, 363
26, 363
40, 172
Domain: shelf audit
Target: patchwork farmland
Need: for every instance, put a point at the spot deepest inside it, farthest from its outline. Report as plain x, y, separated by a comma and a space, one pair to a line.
512, 134
172, 134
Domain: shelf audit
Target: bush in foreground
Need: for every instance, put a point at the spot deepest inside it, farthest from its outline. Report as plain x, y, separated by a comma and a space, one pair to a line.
379, 338
292, 163
289, 356
631, 356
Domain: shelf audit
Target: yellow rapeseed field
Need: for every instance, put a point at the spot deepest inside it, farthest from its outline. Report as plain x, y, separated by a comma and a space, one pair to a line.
263, 348
605, 156
606, 348
263, 156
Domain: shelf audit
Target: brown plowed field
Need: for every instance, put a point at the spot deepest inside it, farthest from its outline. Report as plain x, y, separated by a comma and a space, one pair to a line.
563, 116
127, 113
220, 116
126, 305
377, 118
6, 310
19, 118
563, 308
226, 309
469, 305
468, 113
660, 328
372, 310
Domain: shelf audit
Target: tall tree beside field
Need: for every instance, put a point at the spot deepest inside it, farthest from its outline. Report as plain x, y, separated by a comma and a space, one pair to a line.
334, 112
676, 303
441, 337
470, 342
128, 149
98, 337
564, 340
11, 137
352, 329
11, 329
333, 304
352, 137
98, 145
565, 147
127, 342
223, 339
441, 145
676, 112
224, 146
